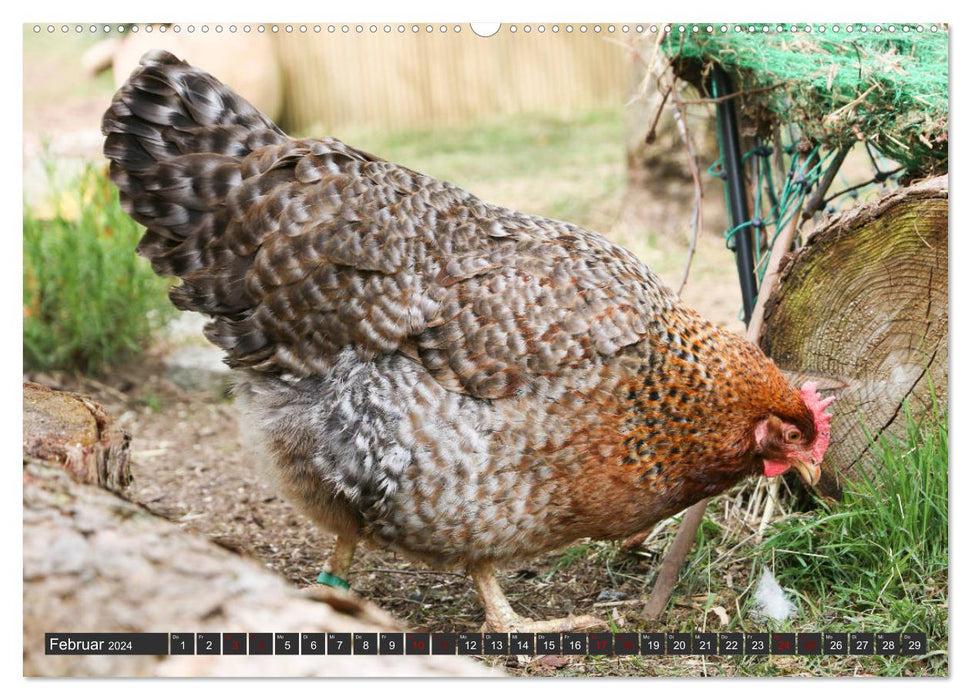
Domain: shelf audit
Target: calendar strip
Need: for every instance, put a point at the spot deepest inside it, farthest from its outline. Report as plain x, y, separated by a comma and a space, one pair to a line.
490, 643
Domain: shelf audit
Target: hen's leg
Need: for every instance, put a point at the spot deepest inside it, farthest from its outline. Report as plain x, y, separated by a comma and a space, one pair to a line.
335, 571
500, 616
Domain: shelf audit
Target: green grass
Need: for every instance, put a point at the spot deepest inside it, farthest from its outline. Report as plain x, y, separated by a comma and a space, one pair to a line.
878, 561
89, 301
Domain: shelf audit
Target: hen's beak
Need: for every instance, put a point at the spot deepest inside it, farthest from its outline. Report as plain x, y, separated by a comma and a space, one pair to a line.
824, 483
809, 472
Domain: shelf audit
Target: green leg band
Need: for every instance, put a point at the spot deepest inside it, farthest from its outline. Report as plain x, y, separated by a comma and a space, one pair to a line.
329, 579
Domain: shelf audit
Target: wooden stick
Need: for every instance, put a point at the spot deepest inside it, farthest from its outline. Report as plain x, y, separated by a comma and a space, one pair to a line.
667, 577
652, 130
770, 279
818, 199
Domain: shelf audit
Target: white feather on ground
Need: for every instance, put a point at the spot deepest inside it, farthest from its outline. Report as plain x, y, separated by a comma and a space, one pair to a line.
771, 599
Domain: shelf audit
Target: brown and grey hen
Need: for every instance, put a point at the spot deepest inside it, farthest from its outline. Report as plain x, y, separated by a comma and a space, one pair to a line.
452, 380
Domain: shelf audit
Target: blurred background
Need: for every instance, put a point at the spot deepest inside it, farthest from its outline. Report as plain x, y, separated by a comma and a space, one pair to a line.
547, 122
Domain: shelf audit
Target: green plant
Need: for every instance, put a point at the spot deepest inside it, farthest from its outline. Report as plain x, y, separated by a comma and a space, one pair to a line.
89, 301
152, 401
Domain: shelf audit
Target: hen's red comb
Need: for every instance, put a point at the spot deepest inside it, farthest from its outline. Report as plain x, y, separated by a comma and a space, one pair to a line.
817, 404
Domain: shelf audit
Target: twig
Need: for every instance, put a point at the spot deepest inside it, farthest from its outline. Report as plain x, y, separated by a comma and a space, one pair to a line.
616, 604
848, 106
731, 95
871, 181
651, 71
818, 200
671, 566
697, 221
651, 63
652, 130
406, 572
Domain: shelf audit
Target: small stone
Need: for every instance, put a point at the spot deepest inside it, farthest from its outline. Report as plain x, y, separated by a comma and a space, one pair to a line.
553, 661
198, 368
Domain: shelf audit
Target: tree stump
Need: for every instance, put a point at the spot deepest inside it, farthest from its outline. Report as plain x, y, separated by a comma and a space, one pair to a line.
865, 303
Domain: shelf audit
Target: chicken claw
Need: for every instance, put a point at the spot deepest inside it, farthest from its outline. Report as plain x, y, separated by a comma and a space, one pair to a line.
500, 617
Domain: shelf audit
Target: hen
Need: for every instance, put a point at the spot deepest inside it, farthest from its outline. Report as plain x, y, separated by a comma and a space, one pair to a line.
439, 376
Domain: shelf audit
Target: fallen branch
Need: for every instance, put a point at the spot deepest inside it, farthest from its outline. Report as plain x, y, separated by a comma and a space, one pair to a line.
667, 577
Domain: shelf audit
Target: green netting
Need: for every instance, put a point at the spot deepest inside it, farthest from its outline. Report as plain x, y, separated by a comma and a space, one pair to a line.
888, 88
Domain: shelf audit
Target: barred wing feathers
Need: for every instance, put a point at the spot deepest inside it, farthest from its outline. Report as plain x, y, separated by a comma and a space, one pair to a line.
298, 248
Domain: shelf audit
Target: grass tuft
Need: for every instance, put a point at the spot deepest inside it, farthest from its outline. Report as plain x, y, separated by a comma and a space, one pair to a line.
89, 301
879, 560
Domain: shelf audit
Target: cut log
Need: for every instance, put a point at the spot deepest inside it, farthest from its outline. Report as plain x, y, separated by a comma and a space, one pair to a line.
76, 432
865, 303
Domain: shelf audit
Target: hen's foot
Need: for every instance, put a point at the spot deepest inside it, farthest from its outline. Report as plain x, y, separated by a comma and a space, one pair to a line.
500, 617
335, 571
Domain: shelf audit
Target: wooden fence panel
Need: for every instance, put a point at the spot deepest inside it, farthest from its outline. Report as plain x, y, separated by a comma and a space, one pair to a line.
425, 79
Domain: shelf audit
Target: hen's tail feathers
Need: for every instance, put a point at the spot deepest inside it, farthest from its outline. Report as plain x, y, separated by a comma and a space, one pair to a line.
176, 138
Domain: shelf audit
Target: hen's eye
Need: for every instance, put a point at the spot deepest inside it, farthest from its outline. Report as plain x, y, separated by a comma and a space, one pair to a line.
793, 435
